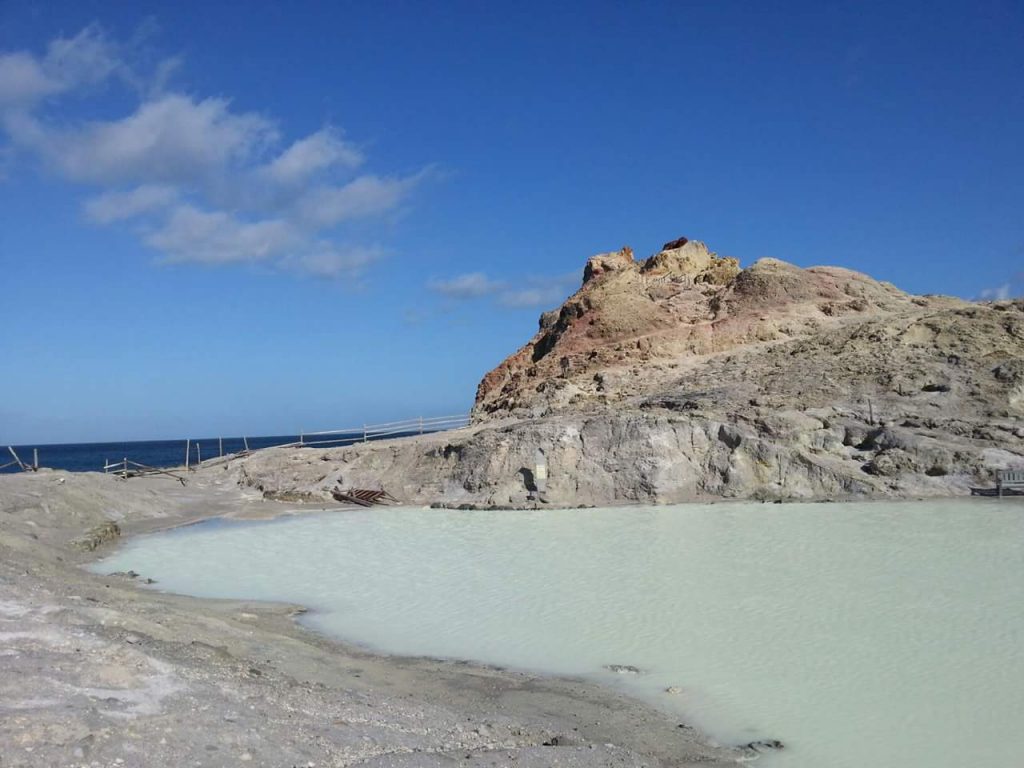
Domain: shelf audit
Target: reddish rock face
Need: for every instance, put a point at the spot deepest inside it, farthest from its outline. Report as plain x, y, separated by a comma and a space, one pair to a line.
673, 244
638, 319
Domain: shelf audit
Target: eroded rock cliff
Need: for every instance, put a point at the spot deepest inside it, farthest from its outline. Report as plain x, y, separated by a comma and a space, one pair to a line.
637, 327
683, 376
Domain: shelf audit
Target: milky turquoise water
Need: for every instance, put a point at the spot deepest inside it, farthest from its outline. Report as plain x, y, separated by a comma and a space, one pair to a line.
858, 634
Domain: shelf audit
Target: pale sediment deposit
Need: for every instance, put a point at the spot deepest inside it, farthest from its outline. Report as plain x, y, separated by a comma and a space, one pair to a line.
685, 377
98, 671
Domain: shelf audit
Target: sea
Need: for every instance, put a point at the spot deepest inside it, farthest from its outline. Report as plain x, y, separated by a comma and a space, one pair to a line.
92, 457
857, 634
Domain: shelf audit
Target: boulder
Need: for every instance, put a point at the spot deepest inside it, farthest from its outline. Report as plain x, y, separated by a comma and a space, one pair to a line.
608, 262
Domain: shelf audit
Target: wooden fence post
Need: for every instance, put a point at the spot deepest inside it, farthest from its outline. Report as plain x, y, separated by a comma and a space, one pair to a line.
21, 464
220, 443
188, 445
35, 459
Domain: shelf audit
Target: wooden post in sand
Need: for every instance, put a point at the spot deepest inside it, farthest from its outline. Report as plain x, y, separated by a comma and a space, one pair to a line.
188, 445
245, 442
220, 443
35, 459
199, 456
18, 461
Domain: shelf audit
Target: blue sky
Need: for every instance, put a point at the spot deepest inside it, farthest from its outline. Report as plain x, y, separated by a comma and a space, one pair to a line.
227, 218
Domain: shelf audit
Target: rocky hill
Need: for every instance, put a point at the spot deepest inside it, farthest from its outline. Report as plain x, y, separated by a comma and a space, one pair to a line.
683, 376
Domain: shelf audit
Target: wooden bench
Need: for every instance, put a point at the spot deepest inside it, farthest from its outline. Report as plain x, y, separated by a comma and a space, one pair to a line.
1009, 479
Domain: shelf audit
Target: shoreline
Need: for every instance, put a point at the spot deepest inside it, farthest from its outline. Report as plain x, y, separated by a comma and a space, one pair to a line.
153, 678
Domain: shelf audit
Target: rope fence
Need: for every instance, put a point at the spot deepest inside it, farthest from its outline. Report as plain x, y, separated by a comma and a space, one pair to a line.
324, 438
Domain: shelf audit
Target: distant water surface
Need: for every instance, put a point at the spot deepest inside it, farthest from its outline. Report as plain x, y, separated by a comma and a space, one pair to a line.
882, 634
90, 457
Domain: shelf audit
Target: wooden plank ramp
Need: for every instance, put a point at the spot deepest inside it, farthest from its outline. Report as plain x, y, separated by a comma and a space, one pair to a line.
363, 497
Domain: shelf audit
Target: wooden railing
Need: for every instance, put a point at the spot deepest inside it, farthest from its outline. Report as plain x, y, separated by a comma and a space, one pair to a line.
367, 432
1009, 478
126, 468
33, 467
332, 437
339, 437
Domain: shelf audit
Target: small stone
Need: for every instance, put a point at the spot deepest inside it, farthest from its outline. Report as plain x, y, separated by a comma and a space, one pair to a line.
762, 745
622, 669
675, 690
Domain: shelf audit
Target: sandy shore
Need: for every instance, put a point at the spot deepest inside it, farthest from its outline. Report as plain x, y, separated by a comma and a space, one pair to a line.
97, 671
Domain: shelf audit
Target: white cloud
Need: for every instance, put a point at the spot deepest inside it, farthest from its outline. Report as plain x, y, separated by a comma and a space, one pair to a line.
525, 292
216, 237
532, 297
331, 261
540, 291
165, 70
118, 206
22, 80
202, 182
173, 139
85, 59
317, 152
1000, 293
471, 285
365, 196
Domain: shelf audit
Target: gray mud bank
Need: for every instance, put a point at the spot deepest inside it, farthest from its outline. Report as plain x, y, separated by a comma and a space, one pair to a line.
97, 671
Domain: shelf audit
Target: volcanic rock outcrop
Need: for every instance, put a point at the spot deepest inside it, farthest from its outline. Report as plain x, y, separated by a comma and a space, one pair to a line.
683, 377
637, 327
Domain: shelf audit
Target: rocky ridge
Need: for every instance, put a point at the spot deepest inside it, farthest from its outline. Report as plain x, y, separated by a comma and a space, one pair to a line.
684, 376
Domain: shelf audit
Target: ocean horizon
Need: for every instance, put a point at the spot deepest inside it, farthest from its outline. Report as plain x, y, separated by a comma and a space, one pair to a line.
91, 457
